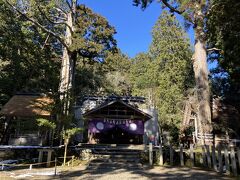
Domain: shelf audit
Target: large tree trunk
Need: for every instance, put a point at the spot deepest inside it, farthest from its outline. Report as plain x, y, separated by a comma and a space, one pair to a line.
201, 77
67, 68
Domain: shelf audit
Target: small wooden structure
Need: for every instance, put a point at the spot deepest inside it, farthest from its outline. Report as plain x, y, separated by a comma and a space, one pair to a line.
225, 122
20, 113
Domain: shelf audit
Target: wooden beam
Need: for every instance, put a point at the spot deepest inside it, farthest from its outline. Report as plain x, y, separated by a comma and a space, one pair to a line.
116, 117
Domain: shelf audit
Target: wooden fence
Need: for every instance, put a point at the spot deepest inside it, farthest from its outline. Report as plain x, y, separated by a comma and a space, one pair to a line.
222, 159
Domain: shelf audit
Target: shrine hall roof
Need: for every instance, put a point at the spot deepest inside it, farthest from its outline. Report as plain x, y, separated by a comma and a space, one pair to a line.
117, 109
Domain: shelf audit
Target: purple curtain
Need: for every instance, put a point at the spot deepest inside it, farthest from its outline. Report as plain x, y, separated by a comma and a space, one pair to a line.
130, 126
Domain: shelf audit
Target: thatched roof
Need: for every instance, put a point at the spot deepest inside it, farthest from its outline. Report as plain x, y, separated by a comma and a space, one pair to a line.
27, 106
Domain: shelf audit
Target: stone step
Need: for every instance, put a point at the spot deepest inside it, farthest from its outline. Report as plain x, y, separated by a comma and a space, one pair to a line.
117, 156
113, 167
115, 164
125, 160
115, 159
116, 153
116, 150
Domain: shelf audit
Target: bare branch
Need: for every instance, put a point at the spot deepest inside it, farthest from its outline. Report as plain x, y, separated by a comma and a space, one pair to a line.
70, 6
172, 9
46, 40
39, 25
57, 17
213, 49
53, 22
60, 10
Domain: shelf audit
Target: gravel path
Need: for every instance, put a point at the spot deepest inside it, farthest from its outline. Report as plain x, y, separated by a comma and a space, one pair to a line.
80, 173
154, 173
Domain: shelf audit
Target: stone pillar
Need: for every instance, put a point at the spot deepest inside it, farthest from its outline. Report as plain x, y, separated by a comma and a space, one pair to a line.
49, 157
151, 127
40, 155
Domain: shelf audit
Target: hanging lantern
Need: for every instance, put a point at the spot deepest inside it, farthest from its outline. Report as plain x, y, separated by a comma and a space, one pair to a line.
133, 127
100, 126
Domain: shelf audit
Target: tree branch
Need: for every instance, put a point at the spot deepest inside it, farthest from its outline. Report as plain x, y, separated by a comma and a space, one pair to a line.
60, 10
172, 9
39, 25
70, 6
213, 49
45, 42
64, 23
57, 17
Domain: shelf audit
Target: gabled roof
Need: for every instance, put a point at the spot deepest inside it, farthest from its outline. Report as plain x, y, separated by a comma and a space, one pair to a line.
117, 109
27, 106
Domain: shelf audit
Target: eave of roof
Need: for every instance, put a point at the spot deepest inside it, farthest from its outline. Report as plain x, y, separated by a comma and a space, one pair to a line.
145, 115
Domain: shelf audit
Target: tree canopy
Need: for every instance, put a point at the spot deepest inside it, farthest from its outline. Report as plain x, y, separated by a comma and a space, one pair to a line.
165, 74
26, 63
66, 49
223, 27
171, 52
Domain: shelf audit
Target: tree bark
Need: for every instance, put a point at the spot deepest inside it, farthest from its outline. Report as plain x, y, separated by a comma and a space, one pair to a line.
201, 77
65, 150
67, 68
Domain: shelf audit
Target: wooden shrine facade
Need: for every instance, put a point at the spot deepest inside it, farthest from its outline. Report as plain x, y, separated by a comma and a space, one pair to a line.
116, 122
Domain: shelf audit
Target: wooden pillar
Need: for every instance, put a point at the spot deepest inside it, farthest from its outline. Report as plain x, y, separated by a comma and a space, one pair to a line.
150, 154
226, 158
220, 164
49, 157
208, 157
40, 155
214, 158
238, 154
171, 155
181, 155
196, 129
192, 155
233, 162
55, 168
203, 156
160, 155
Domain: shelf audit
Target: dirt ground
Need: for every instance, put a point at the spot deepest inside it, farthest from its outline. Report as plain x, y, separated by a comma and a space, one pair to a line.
80, 172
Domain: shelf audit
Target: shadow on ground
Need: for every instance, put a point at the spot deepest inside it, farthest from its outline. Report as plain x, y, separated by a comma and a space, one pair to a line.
145, 173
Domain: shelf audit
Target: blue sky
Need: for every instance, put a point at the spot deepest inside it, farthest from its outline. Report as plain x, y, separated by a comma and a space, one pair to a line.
132, 24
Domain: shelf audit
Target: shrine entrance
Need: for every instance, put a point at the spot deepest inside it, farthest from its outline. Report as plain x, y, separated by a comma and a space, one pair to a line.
118, 136
116, 122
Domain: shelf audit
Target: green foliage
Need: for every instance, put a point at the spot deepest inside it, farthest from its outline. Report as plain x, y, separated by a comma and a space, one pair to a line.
116, 67
93, 36
142, 72
40, 28
68, 133
223, 33
89, 78
171, 52
109, 76
46, 123
26, 62
165, 73
187, 8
